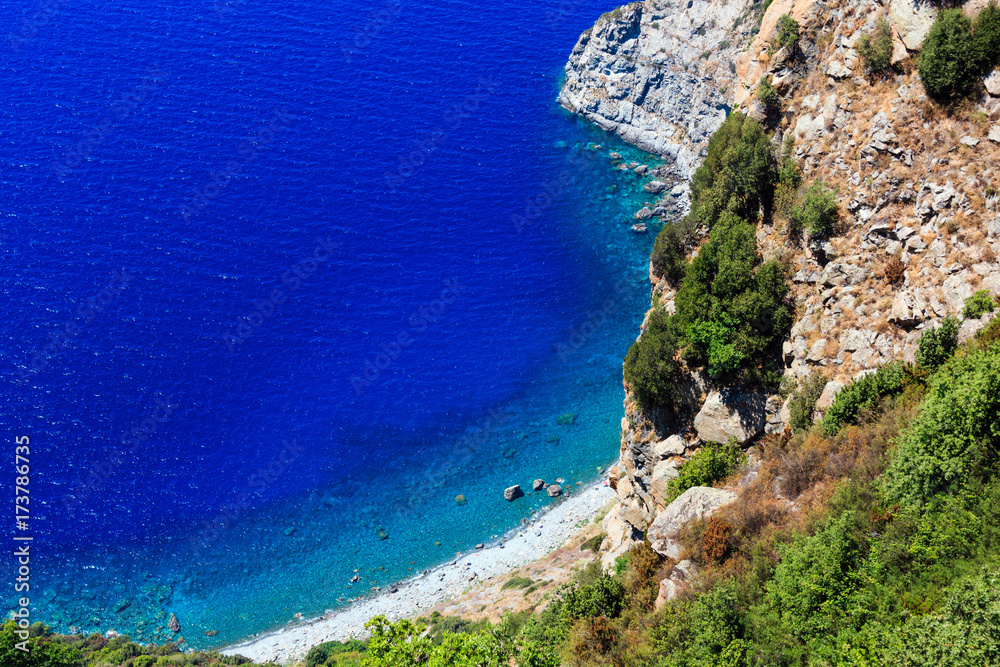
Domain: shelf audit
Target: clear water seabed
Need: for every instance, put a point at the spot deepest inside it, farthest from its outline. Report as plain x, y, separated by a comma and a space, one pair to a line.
201, 444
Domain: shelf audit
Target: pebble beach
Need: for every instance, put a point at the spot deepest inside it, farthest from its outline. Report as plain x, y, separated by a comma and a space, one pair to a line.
547, 532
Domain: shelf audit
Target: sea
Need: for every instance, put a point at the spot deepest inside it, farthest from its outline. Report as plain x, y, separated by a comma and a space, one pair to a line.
292, 292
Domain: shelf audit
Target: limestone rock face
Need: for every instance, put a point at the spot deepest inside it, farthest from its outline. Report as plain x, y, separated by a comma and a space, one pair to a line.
697, 502
662, 474
731, 413
672, 446
830, 392
632, 74
912, 19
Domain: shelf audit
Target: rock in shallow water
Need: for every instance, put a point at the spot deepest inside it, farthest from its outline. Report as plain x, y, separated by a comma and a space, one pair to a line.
512, 493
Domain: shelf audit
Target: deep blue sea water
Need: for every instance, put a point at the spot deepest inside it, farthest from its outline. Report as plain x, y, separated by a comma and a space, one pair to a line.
281, 280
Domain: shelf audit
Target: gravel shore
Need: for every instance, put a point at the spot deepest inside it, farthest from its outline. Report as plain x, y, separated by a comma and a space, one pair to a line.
546, 533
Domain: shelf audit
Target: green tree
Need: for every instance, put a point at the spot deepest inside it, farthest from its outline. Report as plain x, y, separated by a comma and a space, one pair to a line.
767, 94
986, 32
803, 402
668, 257
44, 650
651, 368
864, 393
949, 64
738, 173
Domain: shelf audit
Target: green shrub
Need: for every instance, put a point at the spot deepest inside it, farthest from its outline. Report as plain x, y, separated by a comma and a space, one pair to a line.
593, 544
949, 65
938, 344
817, 211
712, 463
651, 368
814, 576
804, 401
955, 433
516, 582
864, 393
325, 653
767, 94
605, 597
788, 32
978, 304
43, 651
668, 256
875, 48
986, 32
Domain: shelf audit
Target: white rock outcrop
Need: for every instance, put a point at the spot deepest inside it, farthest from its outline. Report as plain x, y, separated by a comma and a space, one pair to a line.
697, 502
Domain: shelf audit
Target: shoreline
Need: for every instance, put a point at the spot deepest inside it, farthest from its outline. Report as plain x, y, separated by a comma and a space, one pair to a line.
520, 546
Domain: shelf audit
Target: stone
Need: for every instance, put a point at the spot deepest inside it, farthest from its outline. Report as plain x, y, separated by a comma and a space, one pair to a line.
512, 493
994, 134
668, 591
842, 274
912, 20
663, 472
460, 499
830, 392
173, 623
969, 327
902, 311
554, 490
992, 83
698, 502
672, 446
641, 169
538, 485
686, 570
731, 413
854, 340
971, 142
817, 350
838, 70
655, 187
644, 213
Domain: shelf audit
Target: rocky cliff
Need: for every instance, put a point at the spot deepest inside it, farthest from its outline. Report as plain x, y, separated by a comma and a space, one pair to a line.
658, 73
917, 189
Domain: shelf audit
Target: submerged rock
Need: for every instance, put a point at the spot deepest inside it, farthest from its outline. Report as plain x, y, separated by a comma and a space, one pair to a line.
173, 623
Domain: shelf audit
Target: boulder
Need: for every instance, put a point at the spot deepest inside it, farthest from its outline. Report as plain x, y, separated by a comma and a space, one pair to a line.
621, 536
655, 187
698, 502
668, 591
173, 623
554, 490
672, 446
644, 213
994, 134
912, 20
731, 413
538, 485
512, 492
992, 83
837, 70
663, 472
830, 392
842, 274
817, 350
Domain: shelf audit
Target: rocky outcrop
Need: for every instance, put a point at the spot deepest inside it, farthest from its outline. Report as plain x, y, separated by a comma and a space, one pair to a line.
657, 73
729, 414
698, 502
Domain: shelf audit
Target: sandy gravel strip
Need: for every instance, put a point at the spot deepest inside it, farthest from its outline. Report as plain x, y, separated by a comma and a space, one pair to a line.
547, 532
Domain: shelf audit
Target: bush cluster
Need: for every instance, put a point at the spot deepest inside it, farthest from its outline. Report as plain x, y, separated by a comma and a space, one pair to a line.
668, 257
864, 393
767, 94
958, 52
711, 463
651, 366
788, 32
